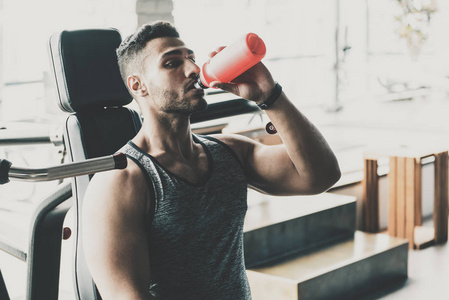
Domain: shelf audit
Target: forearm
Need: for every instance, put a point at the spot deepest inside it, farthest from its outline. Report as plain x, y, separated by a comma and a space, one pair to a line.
315, 166
311, 155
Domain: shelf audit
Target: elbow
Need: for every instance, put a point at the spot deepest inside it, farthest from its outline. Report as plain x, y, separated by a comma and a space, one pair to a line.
331, 175
324, 181
334, 176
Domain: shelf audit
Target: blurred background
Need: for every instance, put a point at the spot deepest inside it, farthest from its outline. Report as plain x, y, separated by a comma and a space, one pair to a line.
358, 68
337, 60
325, 53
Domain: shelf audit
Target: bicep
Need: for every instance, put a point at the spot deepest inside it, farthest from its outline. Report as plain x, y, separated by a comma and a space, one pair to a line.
268, 167
115, 239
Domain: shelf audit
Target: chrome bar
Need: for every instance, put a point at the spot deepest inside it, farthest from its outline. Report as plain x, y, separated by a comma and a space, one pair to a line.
89, 166
24, 140
10, 137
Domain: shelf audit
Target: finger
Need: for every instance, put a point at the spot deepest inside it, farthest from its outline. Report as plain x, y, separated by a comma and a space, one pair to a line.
228, 87
213, 53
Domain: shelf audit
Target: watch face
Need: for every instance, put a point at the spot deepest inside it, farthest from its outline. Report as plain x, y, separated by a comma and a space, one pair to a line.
270, 128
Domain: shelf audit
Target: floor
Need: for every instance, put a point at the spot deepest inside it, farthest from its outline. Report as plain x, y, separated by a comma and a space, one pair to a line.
428, 276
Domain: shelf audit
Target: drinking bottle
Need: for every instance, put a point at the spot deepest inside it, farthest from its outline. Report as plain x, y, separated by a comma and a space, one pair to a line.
232, 60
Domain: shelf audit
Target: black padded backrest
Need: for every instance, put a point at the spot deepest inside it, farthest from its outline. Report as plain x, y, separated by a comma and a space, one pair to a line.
86, 69
90, 87
106, 131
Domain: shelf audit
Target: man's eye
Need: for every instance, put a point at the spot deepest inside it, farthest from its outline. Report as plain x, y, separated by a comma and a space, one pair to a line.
192, 59
173, 63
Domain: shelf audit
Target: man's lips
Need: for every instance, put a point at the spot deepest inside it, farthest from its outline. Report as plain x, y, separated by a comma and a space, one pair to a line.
190, 88
191, 85
198, 91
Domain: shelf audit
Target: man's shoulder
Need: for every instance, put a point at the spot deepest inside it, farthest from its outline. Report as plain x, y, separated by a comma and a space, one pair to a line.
127, 182
241, 145
232, 139
129, 174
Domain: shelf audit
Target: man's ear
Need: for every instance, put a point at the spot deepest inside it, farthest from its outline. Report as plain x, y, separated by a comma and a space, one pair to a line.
136, 86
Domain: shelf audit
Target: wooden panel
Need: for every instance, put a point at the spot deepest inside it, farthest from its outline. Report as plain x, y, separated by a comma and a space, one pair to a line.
400, 196
370, 196
392, 197
410, 171
440, 214
418, 193
405, 198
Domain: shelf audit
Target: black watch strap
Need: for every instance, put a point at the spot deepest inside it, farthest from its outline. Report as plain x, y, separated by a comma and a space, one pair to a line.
5, 165
273, 97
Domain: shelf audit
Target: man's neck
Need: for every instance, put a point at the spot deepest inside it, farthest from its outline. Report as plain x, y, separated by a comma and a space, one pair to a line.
166, 133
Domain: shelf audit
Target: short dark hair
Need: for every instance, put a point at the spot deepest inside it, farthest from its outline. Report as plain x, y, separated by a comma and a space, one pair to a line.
130, 48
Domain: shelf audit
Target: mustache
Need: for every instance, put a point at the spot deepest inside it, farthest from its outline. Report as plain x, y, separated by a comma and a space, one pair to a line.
189, 84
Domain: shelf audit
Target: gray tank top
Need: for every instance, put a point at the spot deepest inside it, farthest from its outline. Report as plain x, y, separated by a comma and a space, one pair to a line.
196, 235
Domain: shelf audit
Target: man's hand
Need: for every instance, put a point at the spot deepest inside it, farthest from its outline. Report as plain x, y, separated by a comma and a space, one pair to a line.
256, 84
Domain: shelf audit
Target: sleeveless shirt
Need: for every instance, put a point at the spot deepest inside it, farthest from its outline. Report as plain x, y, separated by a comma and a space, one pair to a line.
196, 233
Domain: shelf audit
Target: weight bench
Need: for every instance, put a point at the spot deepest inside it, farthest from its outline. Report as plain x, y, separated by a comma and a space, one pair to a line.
90, 88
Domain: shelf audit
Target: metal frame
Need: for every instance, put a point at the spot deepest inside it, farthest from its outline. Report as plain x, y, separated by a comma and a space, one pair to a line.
44, 246
86, 167
44, 252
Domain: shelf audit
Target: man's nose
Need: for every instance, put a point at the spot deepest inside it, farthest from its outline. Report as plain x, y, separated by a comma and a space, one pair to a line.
192, 69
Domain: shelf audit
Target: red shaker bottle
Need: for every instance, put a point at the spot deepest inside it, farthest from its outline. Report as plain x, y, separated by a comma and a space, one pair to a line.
232, 60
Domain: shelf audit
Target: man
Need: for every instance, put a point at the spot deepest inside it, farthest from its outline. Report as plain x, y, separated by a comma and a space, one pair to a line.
170, 226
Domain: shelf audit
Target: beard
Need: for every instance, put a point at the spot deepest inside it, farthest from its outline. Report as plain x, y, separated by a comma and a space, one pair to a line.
184, 102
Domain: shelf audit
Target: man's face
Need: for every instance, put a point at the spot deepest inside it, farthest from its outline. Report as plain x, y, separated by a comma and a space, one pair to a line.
169, 72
